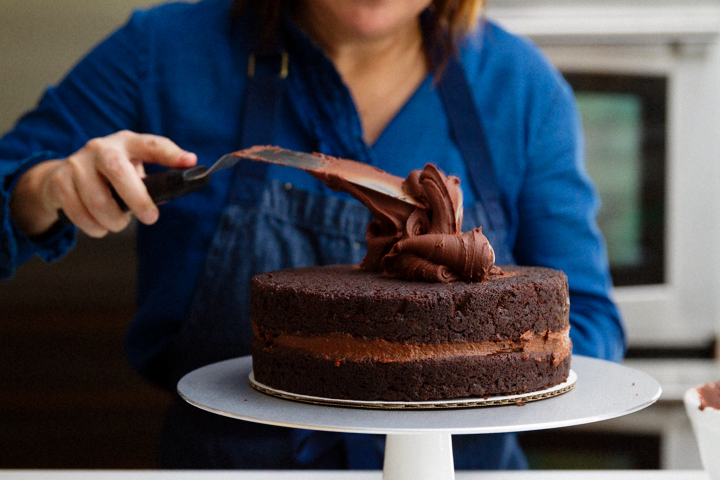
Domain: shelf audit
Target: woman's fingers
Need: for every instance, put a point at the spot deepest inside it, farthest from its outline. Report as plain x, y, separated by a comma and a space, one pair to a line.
146, 148
127, 152
61, 193
110, 163
93, 191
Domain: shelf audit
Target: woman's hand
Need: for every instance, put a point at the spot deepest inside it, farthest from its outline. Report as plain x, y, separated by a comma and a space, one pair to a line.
79, 184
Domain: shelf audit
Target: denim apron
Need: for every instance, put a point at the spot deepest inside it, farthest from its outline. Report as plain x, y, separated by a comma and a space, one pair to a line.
269, 226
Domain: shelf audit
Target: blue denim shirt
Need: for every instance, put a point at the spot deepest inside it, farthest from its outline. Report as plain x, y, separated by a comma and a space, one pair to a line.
179, 70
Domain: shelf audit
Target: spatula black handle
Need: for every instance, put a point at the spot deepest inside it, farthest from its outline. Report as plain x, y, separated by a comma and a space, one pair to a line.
163, 186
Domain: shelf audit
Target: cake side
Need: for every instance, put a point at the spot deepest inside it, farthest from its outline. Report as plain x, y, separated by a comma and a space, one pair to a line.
418, 380
325, 331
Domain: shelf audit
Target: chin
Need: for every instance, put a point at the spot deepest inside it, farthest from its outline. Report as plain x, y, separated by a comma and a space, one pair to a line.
376, 18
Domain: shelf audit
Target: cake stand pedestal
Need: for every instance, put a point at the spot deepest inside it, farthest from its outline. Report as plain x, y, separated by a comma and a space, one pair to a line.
419, 441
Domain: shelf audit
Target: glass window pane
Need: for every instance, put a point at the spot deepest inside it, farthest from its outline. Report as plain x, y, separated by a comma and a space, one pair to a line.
624, 122
614, 156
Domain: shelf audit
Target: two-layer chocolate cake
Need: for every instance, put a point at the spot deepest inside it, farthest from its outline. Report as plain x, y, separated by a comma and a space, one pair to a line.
426, 316
342, 332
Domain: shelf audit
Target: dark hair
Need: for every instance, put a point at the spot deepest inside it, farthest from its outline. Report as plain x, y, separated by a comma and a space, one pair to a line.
449, 22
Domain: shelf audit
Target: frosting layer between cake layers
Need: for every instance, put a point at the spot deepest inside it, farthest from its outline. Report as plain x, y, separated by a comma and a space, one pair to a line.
342, 332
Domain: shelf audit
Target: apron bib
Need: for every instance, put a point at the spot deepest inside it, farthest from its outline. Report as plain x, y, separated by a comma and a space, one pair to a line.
288, 228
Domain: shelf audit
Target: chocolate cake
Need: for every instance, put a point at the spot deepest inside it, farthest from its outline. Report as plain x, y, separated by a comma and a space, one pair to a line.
346, 333
427, 314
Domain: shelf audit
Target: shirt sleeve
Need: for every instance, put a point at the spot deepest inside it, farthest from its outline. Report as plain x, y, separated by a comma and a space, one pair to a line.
15, 246
99, 96
557, 228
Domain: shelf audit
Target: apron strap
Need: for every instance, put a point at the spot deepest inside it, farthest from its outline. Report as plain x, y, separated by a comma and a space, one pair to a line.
263, 101
266, 75
467, 130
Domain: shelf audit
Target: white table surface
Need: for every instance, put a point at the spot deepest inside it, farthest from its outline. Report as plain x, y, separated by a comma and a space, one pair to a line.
344, 475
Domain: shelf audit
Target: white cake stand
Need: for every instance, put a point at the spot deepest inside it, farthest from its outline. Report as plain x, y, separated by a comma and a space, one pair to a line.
419, 445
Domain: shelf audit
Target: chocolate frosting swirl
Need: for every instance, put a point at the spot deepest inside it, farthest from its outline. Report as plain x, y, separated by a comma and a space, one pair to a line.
432, 247
438, 257
420, 242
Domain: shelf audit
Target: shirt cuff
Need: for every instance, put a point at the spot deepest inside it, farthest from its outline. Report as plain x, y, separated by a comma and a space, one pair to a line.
15, 247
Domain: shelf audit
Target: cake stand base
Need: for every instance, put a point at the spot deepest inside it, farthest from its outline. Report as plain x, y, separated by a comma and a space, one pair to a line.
419, 457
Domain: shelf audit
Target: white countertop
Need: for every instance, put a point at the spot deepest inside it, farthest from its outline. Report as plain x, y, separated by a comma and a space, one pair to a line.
344, 475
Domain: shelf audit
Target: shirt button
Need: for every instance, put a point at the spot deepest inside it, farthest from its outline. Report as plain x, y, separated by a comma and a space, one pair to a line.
357, 246
288, 186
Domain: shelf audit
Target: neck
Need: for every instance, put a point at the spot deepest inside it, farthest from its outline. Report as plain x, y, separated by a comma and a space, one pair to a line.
381, 70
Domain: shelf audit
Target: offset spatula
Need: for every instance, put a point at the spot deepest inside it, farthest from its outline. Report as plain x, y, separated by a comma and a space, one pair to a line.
357, 173
174, 183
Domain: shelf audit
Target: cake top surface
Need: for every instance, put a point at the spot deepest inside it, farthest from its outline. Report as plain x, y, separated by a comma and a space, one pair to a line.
350, 279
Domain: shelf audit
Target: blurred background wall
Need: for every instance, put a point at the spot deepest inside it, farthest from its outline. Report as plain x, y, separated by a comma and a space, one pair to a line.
40, 40
68, 398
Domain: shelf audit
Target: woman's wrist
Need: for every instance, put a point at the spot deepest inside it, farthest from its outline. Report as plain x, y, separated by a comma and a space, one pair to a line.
28, 207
